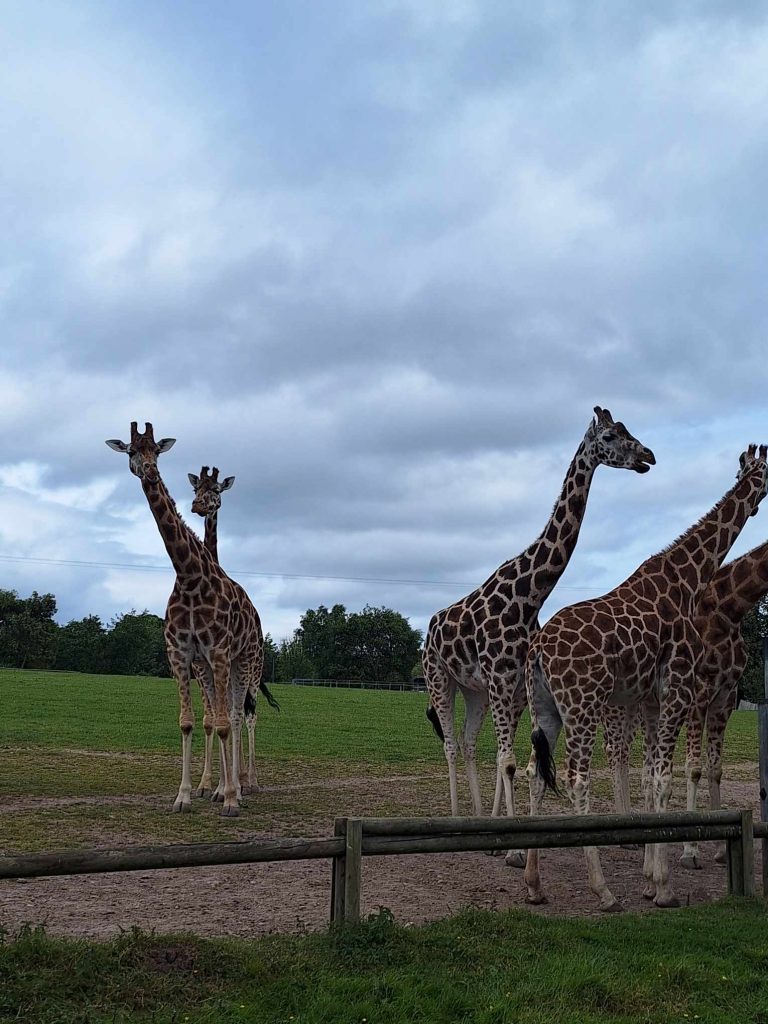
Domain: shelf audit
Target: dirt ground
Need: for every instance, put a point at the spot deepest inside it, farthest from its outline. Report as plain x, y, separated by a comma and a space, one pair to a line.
294, 896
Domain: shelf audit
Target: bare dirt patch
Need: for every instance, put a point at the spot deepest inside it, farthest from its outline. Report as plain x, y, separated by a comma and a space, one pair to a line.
252, 900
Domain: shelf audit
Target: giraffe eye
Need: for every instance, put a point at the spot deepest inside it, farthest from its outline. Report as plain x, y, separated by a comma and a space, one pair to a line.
609, 437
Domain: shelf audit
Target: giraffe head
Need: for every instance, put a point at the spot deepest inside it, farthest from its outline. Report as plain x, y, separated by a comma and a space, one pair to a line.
754, 460
208, 490
142, 451
610, 443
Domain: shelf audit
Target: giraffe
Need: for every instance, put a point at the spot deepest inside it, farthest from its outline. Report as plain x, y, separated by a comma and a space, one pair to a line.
206, 503
478, 645
636, 645
733, 591
209, 617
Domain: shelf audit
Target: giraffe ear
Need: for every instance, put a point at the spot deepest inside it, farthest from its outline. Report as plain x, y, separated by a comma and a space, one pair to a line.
226, 483
117, 446
165, 444
194, 480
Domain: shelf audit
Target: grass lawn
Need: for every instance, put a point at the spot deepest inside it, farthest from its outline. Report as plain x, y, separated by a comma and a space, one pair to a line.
707, 964
99, 755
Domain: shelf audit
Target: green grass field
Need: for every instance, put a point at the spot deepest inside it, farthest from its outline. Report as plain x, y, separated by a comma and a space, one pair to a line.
65, 738
707, 964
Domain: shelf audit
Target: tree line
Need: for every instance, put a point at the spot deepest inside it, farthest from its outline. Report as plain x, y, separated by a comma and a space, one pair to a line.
375, 644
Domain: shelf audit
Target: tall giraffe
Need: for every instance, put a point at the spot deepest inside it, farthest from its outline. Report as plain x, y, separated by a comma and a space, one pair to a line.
733, 591
206, 503
209, 617
478, 645
636, 645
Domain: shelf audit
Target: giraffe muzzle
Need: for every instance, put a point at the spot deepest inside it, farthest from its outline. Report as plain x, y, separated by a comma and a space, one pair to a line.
646, 460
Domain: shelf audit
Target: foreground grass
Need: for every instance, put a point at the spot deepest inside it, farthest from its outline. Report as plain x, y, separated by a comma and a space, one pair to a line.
708, 963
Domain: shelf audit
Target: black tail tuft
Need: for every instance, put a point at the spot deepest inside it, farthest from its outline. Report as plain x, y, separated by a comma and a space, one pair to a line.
249, 707
545, 762
270, 699
434, 718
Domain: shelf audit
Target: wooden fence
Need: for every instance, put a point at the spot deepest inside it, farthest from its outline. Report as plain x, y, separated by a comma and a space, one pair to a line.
356, 838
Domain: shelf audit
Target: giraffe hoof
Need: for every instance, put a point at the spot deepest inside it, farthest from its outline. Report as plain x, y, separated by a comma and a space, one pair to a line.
649, 892
230, 812
720, 857
182, 807
536, 899
667, 902
612, 908
203, 791
217, 797
516, 859
690, 861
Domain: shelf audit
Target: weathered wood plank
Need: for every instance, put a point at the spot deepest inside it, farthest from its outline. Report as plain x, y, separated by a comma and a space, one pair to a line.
388, 845
563, 823
747, 853
182, 855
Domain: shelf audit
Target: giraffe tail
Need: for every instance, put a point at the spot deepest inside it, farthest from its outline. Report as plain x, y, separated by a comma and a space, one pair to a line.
545, 762
270, 699
435, 720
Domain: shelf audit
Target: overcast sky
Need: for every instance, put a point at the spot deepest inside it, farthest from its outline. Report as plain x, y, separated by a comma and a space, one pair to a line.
378, 261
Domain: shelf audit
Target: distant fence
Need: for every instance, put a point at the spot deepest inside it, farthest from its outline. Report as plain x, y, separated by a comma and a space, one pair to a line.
418, 685
356, 838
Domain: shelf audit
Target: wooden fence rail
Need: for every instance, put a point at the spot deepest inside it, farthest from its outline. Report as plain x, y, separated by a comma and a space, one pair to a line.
356, 838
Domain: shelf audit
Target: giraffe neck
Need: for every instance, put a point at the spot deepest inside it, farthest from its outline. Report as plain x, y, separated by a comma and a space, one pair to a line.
738, 586
546, 559
697, 555
211, 535
185, 550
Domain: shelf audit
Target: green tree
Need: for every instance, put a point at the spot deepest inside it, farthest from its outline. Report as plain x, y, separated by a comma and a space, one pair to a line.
28, 633
271, 655
374, 644
293, 662
381, 644
754, 628
82, 645
136, 645
321, 633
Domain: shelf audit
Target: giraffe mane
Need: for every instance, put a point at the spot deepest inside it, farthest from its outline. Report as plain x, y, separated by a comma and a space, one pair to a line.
692, 529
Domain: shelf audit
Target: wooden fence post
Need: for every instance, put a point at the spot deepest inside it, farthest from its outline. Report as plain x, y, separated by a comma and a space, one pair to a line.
748, 853
353, 870
337, 876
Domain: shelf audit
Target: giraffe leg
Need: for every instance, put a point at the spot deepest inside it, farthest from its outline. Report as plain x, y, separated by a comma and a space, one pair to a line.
717, 720
651, 720
580, 740
681, 689
544, 715
181, 670
693, 741
442, 695
220, 663
475, 710
205, 786
619, 726
507, 697
250, 728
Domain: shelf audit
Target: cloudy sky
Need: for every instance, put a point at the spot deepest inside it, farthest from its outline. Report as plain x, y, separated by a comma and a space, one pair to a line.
377, 260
